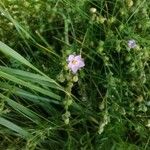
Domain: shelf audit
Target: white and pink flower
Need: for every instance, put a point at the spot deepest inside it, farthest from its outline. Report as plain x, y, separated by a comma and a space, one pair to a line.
75, 62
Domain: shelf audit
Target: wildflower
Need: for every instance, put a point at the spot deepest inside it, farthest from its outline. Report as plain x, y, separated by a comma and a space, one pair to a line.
75, 62
132, 44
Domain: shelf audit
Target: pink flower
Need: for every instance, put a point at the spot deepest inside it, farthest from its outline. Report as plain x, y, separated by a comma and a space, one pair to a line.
75, 62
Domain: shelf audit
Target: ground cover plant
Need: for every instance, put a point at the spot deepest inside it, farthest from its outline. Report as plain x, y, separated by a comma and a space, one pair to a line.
74, 75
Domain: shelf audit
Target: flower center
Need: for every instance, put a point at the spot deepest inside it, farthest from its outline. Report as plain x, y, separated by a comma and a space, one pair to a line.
74, 62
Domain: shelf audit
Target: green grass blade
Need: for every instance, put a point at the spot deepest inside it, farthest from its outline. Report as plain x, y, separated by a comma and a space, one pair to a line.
20, 108
11, 53
29, 85
33, 97
31, 77
14, 127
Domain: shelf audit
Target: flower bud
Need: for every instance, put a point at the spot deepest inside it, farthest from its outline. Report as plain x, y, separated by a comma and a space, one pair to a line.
93, 10
69, 102
75, 79
121, 27
128, 58
61, 78
111, 20
129, 3
148, 123
140, 98
66, 121
101, 19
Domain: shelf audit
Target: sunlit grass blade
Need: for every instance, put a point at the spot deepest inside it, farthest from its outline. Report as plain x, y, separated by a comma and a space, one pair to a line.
10, 52
31, 77
22, 132
21, 109
33, 97
29, 85
18, 27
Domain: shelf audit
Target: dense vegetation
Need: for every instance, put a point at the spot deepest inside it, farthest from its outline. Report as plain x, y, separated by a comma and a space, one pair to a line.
44, 105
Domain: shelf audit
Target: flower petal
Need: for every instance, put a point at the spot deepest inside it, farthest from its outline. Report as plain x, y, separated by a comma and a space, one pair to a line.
81, 64
70, 65
74, 69
78, 58
70, 58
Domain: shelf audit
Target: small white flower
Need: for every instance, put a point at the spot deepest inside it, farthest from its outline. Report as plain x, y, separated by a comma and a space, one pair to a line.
132, 44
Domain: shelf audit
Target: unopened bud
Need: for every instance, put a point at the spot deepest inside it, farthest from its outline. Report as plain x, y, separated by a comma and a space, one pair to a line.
93, 10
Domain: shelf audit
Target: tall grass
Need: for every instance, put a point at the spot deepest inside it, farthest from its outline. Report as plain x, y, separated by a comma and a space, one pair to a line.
105, 105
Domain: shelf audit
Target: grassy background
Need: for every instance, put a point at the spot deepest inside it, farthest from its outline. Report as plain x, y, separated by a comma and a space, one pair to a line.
41, 104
